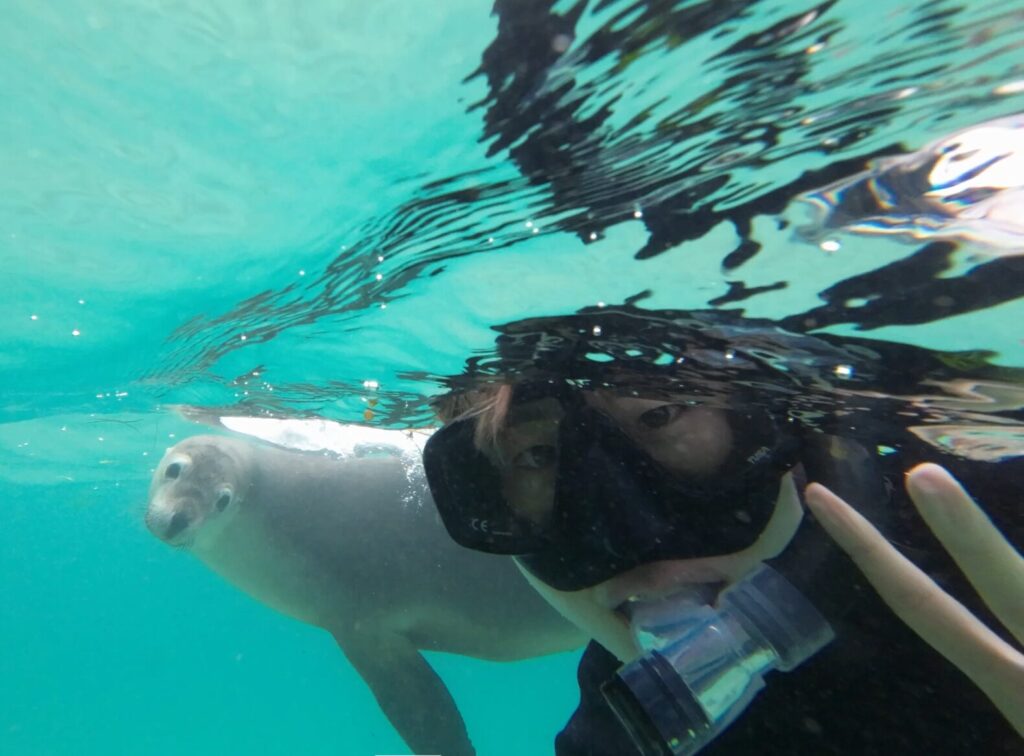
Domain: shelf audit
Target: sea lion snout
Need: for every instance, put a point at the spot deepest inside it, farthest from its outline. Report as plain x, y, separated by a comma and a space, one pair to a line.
178, 522
171, 521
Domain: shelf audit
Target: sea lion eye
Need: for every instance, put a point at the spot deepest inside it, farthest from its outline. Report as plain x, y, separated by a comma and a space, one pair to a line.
173, 470
223, 501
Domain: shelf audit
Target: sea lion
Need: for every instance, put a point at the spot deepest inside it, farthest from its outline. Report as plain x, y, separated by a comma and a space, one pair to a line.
355, 546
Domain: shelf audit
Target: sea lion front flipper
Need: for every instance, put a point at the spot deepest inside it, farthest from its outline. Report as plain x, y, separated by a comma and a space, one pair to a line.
409, 692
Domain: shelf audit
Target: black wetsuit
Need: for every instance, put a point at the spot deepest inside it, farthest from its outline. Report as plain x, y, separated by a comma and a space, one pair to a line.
886, 703
877, 689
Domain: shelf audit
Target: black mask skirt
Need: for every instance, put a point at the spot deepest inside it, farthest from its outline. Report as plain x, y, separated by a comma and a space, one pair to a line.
614, 506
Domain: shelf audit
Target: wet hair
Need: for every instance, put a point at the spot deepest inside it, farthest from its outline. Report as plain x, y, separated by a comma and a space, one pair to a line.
489, 405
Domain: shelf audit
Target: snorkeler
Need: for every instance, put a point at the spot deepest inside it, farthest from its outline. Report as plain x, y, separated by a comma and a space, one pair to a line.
645, 469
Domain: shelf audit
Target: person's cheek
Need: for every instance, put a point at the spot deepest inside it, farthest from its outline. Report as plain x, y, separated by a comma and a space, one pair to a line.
697, 444
531, 494
712, 438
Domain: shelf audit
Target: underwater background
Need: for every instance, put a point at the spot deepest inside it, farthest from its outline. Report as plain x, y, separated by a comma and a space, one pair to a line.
323, 209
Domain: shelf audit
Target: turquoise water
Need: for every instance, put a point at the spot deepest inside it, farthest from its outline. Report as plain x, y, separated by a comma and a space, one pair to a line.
303, 209
114, 643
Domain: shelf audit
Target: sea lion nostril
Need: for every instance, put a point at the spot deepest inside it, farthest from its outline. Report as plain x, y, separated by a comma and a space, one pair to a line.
178, 523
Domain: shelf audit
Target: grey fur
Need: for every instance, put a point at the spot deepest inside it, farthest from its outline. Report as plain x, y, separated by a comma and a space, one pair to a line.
355, 546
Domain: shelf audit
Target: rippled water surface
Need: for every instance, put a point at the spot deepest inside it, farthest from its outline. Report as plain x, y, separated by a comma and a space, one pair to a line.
326, 209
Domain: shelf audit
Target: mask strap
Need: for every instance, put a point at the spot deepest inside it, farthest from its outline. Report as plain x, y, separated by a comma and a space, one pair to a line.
812, 562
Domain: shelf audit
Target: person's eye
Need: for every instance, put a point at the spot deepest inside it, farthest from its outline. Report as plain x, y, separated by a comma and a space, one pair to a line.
661, 416
535, 457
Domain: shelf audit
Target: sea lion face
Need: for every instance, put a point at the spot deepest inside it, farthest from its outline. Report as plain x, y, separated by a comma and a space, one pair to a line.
195, 491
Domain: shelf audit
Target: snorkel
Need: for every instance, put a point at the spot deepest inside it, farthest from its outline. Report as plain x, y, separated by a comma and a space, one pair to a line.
706, 657
703, 664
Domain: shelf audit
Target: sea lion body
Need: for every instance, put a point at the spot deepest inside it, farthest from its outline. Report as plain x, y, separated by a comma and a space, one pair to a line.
355, 546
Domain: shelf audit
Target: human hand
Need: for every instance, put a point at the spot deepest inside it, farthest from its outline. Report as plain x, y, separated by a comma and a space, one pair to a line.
994, 567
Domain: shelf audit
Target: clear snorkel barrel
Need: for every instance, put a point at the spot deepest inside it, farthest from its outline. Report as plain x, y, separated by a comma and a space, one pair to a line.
703, 664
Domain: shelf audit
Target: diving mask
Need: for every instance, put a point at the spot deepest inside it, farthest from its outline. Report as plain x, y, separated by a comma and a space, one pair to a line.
609, 504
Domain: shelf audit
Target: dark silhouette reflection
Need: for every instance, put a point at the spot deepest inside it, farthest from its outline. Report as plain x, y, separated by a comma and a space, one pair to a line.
677, 115
558, 136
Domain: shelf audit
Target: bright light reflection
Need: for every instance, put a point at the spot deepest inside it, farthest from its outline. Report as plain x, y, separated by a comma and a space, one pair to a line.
327, 435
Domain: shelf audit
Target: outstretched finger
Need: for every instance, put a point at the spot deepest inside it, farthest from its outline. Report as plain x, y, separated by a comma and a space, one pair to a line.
993, 566
938, 618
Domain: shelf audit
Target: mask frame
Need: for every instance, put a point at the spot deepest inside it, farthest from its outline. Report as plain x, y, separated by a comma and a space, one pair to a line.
614, 506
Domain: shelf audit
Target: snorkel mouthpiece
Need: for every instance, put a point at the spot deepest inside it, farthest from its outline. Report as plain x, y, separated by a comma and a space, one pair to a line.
703, 665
